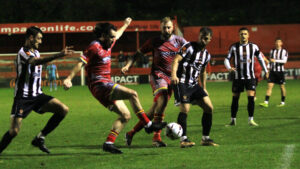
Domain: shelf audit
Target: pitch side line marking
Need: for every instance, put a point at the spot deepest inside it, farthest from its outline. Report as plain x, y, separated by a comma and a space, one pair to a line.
287, 156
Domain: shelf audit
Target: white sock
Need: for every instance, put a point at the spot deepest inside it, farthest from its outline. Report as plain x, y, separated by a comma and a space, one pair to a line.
40, 135
183, 138
148, 124
109, 142
250, 118
233, 119
205, 137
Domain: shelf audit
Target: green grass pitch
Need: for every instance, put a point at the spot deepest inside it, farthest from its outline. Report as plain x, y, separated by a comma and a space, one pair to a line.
77, 142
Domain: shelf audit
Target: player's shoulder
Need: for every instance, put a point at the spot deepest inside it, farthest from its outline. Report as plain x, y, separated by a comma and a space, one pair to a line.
188, 46
234, 45
253, 44
176, 37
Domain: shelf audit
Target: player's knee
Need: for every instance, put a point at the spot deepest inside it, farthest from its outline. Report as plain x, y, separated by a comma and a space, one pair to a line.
134, 94
14, 132
209, 109
126, 117
64, 110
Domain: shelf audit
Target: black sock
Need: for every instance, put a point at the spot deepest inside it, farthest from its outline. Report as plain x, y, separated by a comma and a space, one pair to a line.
206, 123
6, 139
234, 106
282, 98
251, 105
52, 123
182, 121
267, 98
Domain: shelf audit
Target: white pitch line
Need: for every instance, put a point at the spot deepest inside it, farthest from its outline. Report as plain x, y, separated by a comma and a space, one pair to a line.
287, 156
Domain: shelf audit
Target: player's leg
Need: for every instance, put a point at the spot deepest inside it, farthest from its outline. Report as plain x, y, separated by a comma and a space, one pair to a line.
139, 125
59, 111
283, 94
237, 88
161, 100
268, 95
55, 83
50, 83
121, 109
124, 93
256, 84
234, 108
15, 126
207, 107
182, 120
250, 107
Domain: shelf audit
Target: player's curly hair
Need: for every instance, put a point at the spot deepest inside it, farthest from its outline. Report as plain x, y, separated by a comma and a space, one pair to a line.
33, 30
103, 28
206, 31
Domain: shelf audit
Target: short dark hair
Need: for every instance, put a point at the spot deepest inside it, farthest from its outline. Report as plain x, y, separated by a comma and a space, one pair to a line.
278, 38
243, 29
206, 30
103, 28
33, 30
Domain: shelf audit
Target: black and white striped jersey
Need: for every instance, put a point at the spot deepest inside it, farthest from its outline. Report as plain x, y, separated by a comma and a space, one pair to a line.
28, 80
194, 60
243, 59
280, 56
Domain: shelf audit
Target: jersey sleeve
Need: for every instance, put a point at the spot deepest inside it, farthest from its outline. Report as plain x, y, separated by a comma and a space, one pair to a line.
207, 60
186, 50
147, 46
230, 52
182, 41
88, 53
25, 56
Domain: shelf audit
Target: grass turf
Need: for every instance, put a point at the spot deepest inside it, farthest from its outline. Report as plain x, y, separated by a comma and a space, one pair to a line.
77, 142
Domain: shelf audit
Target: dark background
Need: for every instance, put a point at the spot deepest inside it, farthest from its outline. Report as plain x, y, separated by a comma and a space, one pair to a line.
189, 12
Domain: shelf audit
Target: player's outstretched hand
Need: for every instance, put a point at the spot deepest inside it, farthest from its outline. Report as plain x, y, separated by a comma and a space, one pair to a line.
233, 69
124, 69
67, 84
127, 21
67, 51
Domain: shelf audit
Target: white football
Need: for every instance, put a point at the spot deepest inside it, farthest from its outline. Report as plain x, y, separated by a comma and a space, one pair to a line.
174, 130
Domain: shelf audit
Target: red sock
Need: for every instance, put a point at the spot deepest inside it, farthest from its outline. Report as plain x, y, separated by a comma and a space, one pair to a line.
157, 118
112, 136
142, 116
156, 136
136, 128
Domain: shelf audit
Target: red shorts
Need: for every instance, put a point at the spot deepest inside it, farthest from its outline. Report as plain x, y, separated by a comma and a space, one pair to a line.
159, 82
102, 92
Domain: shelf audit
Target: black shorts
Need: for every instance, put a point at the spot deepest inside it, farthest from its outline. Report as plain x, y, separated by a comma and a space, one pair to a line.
23, 106
276, 77
187, 94
239, 85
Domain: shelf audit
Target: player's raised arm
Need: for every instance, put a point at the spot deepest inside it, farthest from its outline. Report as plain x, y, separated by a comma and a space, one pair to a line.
68, 50
68, 81
175, 64
121, 30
